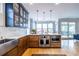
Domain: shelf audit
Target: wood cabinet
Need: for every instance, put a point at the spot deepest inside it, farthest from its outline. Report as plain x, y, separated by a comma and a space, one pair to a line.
56, 41
56, 45
12, 52
22, 45
33, 41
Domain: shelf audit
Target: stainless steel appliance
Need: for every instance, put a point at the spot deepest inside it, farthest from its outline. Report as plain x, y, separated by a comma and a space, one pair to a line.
55, 41
44, 41
55, 38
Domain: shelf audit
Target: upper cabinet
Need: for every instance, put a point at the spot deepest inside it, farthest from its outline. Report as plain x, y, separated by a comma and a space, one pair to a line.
16, 15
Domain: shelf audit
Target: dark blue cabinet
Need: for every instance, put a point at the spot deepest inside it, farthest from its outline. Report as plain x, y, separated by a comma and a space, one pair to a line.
16, 15
9, 14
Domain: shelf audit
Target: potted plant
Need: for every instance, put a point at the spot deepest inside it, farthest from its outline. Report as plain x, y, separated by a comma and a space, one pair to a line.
33, 31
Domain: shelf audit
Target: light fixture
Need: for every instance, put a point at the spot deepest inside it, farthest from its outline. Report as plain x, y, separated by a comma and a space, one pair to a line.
43, 15
50, 14
57, 3
37, 14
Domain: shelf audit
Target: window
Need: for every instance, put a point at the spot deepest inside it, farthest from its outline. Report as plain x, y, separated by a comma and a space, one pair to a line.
50, 28
71, 29
34, 25
67, 29
39, 28
45, 28
64, 29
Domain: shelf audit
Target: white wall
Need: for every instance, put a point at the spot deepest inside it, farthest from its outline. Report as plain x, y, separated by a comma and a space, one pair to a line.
8, 32
2, 17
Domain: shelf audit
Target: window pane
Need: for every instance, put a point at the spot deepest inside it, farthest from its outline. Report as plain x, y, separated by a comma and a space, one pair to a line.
44, 25
44, 28
64, 29
39, 28
39, 31
50, 30
71, 29
39, 25
33, 25
50, 25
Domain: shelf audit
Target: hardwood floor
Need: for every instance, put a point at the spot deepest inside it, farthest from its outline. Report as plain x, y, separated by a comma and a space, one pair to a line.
68, 47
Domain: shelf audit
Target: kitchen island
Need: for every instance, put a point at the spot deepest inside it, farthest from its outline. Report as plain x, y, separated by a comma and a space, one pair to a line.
45, 40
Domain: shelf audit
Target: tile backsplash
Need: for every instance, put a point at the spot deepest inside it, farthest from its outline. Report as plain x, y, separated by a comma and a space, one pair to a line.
7, 32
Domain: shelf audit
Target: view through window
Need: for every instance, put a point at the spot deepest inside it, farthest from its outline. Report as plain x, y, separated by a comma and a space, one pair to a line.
67, 29
45, 28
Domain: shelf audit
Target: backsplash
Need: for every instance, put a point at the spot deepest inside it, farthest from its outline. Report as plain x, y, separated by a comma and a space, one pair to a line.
7, 32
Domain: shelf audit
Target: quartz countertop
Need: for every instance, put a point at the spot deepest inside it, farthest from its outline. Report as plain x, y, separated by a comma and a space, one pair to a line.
17, 37
46, 34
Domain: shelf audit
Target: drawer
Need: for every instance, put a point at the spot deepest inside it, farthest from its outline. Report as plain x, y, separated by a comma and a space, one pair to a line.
34, 43
56, 45
34, 36
33, 40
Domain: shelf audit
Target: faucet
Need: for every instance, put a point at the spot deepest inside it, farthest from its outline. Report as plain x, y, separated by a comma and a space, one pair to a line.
1, 37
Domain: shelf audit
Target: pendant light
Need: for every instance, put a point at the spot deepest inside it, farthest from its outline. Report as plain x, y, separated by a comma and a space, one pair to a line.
50, 14
36, 20
37, 14
44, 15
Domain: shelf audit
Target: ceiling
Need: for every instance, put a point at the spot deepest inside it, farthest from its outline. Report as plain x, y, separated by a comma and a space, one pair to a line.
62, 10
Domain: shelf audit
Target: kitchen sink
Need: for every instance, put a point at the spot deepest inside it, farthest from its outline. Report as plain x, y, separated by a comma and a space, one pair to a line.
5, 40
1, 41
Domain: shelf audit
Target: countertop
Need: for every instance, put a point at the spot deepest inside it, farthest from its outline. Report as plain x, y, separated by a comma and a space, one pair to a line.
46, 34
17, 37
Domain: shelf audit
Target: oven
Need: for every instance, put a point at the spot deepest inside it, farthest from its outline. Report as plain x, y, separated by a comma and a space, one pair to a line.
55, 38
44, 41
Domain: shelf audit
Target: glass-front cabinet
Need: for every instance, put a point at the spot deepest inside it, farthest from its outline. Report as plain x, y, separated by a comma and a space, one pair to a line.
16, 15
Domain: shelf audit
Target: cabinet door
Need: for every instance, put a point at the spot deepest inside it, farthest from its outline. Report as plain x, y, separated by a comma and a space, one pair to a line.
56, 45
16, 21
33, 45
20, 47
9, 14
24, 43
34, 41
33, 38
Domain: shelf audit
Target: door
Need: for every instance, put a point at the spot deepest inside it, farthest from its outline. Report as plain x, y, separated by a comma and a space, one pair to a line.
67, 29
64, 29
71, 29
